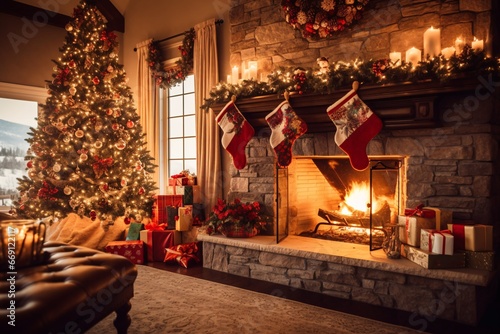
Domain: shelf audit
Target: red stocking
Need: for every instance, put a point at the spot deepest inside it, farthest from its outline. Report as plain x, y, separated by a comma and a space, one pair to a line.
286, 127
237, 133
356, 126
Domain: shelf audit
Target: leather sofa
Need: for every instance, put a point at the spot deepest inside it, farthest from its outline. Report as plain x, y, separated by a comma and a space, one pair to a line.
72, 290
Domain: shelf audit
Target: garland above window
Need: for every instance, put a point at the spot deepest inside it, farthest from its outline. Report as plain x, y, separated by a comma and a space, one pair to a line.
322, 18
342, 74
174, 76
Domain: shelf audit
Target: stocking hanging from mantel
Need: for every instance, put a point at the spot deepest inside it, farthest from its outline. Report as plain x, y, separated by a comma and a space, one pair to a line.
286, 128
356, 126
237, 133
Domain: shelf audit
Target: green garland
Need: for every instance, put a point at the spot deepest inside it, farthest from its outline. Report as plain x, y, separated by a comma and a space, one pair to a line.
342, 74
174, 76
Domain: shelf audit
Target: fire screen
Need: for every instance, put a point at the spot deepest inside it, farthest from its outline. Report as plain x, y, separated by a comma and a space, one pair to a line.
328, 199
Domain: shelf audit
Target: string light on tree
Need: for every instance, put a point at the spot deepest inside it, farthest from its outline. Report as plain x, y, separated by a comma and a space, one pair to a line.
73, 164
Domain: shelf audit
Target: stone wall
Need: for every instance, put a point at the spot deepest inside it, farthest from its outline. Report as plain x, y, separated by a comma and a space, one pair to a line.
259, 31
424, 297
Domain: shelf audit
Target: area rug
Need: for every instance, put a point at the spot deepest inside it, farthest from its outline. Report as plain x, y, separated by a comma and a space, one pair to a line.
167, 302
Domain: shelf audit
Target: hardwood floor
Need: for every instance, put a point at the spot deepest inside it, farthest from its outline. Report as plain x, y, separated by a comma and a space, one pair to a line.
489, 324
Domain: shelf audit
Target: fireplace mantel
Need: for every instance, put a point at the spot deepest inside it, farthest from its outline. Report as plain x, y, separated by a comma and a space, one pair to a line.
400, 106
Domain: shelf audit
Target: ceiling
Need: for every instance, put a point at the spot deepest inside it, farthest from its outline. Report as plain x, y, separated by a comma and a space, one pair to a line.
112, 10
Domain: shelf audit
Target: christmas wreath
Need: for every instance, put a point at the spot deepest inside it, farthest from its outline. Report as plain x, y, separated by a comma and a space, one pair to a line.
171, 77
322, 18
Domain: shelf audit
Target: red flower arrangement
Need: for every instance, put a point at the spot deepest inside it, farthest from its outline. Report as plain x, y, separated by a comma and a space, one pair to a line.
322, 18
245, 216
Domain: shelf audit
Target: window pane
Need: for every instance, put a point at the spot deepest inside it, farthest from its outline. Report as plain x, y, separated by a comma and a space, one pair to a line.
189, 84
189, 104
190, 148
175, 106
189, 126
175, 90
176, 166
176, 148
190, 165
175, 128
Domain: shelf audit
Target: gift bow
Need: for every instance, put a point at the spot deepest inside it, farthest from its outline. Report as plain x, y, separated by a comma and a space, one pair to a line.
420, 212
153, 226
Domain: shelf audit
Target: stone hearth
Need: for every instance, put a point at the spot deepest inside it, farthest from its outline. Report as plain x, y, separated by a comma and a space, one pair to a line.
351, 271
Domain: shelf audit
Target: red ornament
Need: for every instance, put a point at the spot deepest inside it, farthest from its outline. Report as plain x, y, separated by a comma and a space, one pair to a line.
127, 220
96, 80
130, 124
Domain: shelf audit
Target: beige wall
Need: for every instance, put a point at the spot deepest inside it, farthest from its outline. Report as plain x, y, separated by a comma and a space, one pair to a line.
30, 62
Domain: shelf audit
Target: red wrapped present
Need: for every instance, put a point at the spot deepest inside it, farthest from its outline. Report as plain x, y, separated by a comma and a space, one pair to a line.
160, 212
157, 241
472, 237
131, 249
437, 242
183, 254
413, 224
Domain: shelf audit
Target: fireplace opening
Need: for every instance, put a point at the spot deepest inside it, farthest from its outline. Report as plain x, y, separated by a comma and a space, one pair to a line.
328, 199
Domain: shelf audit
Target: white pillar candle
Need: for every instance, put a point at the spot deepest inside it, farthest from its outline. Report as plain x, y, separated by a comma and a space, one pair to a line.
252, 70
395, 58
477, 44
235, 75
448, 52
413, 56
459, 45
432, 42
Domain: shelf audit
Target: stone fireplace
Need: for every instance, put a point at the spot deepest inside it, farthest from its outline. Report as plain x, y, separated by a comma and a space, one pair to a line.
445, 133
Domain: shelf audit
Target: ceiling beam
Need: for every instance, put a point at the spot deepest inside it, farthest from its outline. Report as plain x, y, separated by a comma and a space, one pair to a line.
115, 20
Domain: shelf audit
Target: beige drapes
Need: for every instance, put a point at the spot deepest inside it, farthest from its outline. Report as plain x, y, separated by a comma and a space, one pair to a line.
147, 105
206, 76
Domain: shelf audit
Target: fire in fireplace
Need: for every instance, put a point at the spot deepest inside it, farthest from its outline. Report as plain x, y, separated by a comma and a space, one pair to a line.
328, 199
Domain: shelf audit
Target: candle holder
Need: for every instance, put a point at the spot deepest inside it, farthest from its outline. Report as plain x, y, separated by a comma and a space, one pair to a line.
21, 243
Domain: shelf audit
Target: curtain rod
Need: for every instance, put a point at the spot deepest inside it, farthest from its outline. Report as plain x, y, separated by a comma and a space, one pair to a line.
217, 22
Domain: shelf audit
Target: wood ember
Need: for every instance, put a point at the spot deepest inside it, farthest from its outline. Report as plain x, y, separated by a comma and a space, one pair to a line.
353, 235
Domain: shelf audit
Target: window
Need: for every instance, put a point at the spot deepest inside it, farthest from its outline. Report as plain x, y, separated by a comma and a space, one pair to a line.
178, 131
16, 117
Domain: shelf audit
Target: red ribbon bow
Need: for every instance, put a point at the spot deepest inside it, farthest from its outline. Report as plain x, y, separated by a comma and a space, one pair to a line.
420, 212
153, 226
101, 166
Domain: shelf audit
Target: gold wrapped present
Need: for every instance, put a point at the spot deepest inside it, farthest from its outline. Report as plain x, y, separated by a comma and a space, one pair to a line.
430, 260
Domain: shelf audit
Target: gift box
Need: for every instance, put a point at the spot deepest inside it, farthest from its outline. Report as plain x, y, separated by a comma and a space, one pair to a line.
425, 217
185, 218
133, 231
430, 260
132, 250
472, 237
172, 213
437, 242
157, 241
480, 260
160, 212
192, 194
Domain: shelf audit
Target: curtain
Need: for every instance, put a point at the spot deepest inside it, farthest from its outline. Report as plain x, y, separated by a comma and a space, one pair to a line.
147, 105
205, 68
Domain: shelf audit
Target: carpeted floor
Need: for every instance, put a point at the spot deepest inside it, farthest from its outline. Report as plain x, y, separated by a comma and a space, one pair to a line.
167, 302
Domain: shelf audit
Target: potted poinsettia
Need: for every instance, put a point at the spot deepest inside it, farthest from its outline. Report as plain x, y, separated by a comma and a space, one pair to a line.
235, 219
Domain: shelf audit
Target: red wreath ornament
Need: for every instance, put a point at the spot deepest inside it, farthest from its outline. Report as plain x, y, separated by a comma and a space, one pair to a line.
322, 18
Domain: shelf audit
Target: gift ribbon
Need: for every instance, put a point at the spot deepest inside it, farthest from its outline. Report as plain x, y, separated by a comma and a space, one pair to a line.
420, 211
432, 233
153, 226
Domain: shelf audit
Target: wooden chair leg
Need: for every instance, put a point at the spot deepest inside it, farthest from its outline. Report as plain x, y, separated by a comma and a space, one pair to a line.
122, 320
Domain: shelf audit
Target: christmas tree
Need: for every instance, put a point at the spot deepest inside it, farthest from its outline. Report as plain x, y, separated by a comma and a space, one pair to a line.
87, 155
